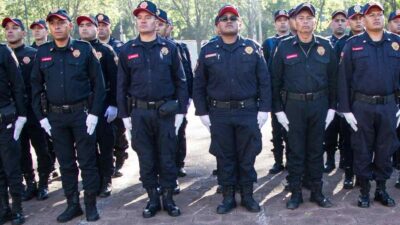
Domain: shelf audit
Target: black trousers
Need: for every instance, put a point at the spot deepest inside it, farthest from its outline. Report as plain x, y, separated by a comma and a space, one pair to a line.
73, 144
181, 152
332, 133
121, 143
346, 144
375, 141
155, 142
105, 140
306, 136
235, 141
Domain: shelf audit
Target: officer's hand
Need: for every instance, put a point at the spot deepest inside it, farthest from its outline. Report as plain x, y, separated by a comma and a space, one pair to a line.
44, 123
178, 122
19, 124
351, 120
329, 117
398, 118
111, 113
283, 120
205, 120
262, 118
91, 122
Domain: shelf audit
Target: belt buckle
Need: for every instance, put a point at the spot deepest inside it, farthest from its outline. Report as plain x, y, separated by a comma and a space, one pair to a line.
309, 96
379, 99
151, 105
65, 108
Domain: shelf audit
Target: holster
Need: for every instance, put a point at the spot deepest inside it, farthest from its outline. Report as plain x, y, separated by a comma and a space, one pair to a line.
169, 108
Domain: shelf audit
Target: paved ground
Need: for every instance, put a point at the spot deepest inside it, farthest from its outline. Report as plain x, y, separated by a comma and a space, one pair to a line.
198, 199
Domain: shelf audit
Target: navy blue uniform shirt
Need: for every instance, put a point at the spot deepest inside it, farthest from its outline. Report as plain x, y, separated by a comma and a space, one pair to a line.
25, 56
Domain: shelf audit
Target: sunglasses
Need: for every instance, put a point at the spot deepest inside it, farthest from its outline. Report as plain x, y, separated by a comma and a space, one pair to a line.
226, 19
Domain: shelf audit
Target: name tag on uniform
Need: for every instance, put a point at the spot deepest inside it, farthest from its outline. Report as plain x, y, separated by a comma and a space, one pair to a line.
211, 55
133, 56
46, 59
358, 48
292, 56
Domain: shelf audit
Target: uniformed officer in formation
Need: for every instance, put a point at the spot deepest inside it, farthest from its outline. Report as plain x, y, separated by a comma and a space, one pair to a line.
88, 29
331, 143
368, 82
39, 32
282, 26
304, 99
121, 143
32, 133
232, 96
67, 97
152, 98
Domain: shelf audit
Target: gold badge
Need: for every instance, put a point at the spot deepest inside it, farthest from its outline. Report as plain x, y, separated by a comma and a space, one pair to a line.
164, 51
249, 50
395, 46
26, 60
100, 18
143, 5
321, 50
357, 8
76, 53
99, 55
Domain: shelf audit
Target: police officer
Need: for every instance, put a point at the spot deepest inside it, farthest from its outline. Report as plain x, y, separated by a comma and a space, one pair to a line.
368, 81
152, 98
39, 32
304, 83
121, 143
269, 45
338, 26
354, 14
88, 28
68, 75
13, 118
232, 96
32, 132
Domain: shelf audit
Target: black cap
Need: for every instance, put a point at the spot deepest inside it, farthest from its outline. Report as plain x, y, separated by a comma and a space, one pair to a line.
371, 5
91, 19
291, 12
339, 12
103, 18
15, 21
147, 6
59, 13
354, 10
281, 13
162, 15
394, 15
305, 6
38, 22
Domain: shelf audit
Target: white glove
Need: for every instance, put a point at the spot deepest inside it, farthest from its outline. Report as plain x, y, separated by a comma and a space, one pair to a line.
351, 120
262, 118
19, 124
178, 122
111, 113
283, 120
44, 123
398, 118
91, 122
329, 117
205, 120
128, 126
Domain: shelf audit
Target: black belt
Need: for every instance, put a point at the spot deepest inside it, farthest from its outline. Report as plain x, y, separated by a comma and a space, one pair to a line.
306, 96
69, 108
147, 105
374, 99
233, 104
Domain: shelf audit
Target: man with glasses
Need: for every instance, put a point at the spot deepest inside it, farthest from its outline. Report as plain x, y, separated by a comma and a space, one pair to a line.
232, 96
369, 75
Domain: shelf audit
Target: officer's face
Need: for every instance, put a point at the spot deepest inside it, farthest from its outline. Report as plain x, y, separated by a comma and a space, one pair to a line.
338, 24
305, 22
355, 24
374, 20
169, 30
292, 24
162, 29
146, 23
282, 24
394, 26
228, 24
87, 30
104, 30
14, 33
39, 33
60, 29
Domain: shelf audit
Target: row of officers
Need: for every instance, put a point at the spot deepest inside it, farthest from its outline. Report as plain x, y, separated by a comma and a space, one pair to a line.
74, 90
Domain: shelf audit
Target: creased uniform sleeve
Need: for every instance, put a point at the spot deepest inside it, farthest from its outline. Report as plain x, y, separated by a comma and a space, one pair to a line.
97, 84
123, 82
277, 69
200, 87
264, 83
179, 78
344, 80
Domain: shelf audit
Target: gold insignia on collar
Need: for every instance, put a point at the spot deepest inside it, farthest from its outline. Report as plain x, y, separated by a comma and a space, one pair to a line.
26, 60
76, 53
395, 46
100, 18
143, 5
99, 55
357, 8
164, 51
249, 50
321, 50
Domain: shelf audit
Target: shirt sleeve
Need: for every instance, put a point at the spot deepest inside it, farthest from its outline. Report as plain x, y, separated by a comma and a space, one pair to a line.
277, 68
97, 84
344, 80
200, 87
123, 82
